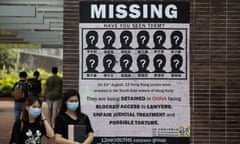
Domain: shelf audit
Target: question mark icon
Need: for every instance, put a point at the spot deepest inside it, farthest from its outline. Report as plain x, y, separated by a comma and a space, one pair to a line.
143, 62
109, 38
92, 62
143, 38
109, 62
176, 39
159, 38
126, 62
126, 38
92, 38
159, 62
176, 62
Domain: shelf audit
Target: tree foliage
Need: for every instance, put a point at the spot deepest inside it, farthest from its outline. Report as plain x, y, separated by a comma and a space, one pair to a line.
8, 58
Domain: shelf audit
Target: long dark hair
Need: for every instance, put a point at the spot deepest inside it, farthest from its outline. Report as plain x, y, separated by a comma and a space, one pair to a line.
28, 102
66, 95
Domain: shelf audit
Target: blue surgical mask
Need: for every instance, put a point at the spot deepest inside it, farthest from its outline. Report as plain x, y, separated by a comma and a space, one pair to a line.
34, 112
72, 106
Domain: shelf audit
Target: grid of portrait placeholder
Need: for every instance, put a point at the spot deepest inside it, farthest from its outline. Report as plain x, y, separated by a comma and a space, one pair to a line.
134, 53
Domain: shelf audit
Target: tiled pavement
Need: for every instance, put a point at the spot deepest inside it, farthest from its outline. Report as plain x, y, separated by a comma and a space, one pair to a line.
6, 122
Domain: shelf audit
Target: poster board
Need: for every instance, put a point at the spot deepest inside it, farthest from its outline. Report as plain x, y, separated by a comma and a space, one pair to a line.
134, 71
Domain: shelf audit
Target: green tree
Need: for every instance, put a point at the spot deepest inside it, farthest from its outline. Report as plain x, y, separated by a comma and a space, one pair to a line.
8, 58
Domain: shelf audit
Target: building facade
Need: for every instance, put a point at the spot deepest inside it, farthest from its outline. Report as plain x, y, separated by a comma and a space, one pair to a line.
214, 67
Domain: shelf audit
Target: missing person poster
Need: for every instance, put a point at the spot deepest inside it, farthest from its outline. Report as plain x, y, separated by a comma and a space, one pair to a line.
134, 71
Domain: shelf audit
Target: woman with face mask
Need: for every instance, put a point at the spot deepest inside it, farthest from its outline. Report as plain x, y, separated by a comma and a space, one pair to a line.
32, 125
71, 125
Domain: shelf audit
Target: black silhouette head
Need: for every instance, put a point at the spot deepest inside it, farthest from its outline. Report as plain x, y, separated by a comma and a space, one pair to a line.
176, 63
126, 39
142, 63
125, 63
176, 39
108, 63
159, 38
92, 39
159, 62
108, 39
92, 63
142, 39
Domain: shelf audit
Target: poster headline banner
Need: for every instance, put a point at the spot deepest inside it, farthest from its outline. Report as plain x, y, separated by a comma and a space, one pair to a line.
167, 12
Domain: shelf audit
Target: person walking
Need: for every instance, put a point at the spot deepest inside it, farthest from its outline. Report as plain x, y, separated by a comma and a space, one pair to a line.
36, 84
70, 115
53, 94
32, 125
20, 91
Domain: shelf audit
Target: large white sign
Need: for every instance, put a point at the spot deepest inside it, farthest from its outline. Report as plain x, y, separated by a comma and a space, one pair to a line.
134, 71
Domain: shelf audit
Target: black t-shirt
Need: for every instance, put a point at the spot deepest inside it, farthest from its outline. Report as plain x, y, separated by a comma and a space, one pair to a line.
36, 86
63, 120
27, 133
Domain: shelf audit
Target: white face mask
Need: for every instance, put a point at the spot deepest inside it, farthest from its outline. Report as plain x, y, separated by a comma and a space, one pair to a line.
34, 112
